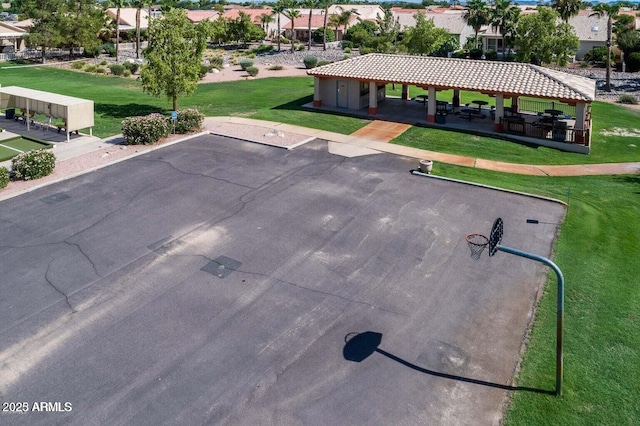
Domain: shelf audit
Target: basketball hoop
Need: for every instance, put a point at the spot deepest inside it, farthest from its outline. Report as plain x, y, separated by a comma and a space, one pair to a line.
477, 243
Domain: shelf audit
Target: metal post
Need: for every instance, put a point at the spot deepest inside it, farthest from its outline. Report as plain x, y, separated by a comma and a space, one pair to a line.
560, 308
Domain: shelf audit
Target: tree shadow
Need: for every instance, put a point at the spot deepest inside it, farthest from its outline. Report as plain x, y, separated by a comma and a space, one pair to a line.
124, 111
359, 346
635, 180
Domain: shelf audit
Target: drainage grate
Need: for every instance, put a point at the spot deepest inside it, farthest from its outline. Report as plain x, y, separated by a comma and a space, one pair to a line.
221, 267
55, 198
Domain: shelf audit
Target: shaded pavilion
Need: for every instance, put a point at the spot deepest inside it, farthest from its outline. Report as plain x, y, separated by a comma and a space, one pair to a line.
75, 113
360, 83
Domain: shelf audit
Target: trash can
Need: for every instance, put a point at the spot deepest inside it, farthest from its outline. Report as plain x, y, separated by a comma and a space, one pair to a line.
9, 113
441, 118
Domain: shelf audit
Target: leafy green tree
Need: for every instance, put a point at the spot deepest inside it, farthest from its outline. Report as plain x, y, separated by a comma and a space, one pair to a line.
476, 15
425, 37
320, 35
242, 29
80, 25
539, 37
611, 12
46, 30
361, 32
174, 56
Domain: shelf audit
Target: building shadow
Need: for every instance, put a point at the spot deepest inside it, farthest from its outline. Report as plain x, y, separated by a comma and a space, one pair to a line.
359, 346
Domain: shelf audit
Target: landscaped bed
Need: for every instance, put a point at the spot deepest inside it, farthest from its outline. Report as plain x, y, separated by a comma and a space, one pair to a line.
11, 147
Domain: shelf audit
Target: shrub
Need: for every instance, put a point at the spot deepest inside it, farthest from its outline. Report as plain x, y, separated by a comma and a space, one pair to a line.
321, 63
132, 66
344, 57
276, 68
92, 52
126, 73
101, 70
116, 69
78, 65
245, 63
252, 71
633, 62
301, 47
460, 54
597, 55
310, 62
475, 53
284, 40
264, 48
347, 44
103, 62
204, 69
628, 99
145, 130
216, 62
90, 68
189, 120
4, 177
33, 164
109, 49
491, 55
347, 50
316, 35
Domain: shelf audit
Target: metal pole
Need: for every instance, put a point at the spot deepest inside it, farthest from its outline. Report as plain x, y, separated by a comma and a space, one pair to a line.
560, 308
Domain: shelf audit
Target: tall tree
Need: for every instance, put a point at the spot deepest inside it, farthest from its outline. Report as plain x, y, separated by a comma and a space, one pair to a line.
139, 5
504, 16
265, 20
325, 4
341, 20
292, 14
45, 31
611, 12
80, 24
278, 10
476, 15
118, 4
566, 8
311, 4
174, 56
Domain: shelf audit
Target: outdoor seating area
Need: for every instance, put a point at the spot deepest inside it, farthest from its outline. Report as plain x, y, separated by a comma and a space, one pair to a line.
38, 121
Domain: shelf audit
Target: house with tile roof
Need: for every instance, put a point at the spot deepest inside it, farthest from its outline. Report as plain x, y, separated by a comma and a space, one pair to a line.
270, 29
128, 17
360, 83
196, 16
11, 36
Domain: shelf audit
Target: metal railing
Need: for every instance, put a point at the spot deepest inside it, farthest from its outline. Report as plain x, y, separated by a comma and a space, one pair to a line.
545, 131
530, 105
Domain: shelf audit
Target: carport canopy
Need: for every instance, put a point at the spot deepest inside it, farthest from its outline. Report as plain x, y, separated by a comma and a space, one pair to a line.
76, 112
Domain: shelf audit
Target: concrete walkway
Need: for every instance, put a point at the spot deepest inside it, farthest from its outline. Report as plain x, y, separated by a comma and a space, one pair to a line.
379, 142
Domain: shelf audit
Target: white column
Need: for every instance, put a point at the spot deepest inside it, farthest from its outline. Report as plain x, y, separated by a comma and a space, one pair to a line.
317, 97
373, 98
431, 108
499, 112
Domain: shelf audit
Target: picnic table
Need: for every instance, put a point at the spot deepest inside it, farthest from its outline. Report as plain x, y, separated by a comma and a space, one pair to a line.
467, 113
480, 104
422, 98
553, 112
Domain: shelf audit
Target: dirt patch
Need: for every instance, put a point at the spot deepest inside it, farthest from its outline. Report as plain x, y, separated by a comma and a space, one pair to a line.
619, 131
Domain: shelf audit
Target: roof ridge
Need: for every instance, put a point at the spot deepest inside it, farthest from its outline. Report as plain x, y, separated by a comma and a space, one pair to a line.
546, 72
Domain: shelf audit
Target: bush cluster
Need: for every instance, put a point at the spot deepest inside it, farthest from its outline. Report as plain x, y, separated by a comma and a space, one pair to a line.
276, 67
310, 62
627, 99
321, 63
300, 47
245, 63
131, 66
78, 65
117, 69
263, 48
204, 69
189, 120
109, 49
4, 177
633, 62
146, 129
217, 62
491, 55
33, 164
90, 68
252, 71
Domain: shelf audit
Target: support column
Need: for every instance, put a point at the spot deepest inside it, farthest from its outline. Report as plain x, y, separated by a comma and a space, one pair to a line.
317, 98
431, 108
497, 127
456, 98
514, 104
373, 98
581, 111
405, 92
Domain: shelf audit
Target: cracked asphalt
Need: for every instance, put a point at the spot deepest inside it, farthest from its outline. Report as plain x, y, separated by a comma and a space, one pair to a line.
216, 282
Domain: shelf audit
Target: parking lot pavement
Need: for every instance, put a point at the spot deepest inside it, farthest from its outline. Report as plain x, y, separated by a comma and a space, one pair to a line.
219, 281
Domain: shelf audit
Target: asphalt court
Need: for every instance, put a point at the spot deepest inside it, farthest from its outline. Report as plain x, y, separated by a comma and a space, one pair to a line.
217, 281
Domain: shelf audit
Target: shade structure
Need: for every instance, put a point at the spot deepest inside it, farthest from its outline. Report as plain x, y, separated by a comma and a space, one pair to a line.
77, 113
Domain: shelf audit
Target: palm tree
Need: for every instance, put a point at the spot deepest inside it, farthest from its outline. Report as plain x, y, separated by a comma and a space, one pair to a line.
292, 14
265, 20
118, 4
503, 16
566, 8
139, 4
477, 15
278, 9
611, 11
341, 20
310, 4
325, 4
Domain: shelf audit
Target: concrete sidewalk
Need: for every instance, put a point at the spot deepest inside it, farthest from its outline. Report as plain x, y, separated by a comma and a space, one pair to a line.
364, 142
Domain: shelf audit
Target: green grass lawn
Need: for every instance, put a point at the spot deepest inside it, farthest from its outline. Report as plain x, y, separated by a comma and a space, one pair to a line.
597, 248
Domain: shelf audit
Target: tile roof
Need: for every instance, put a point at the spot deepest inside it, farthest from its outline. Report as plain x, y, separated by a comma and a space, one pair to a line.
511, 78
